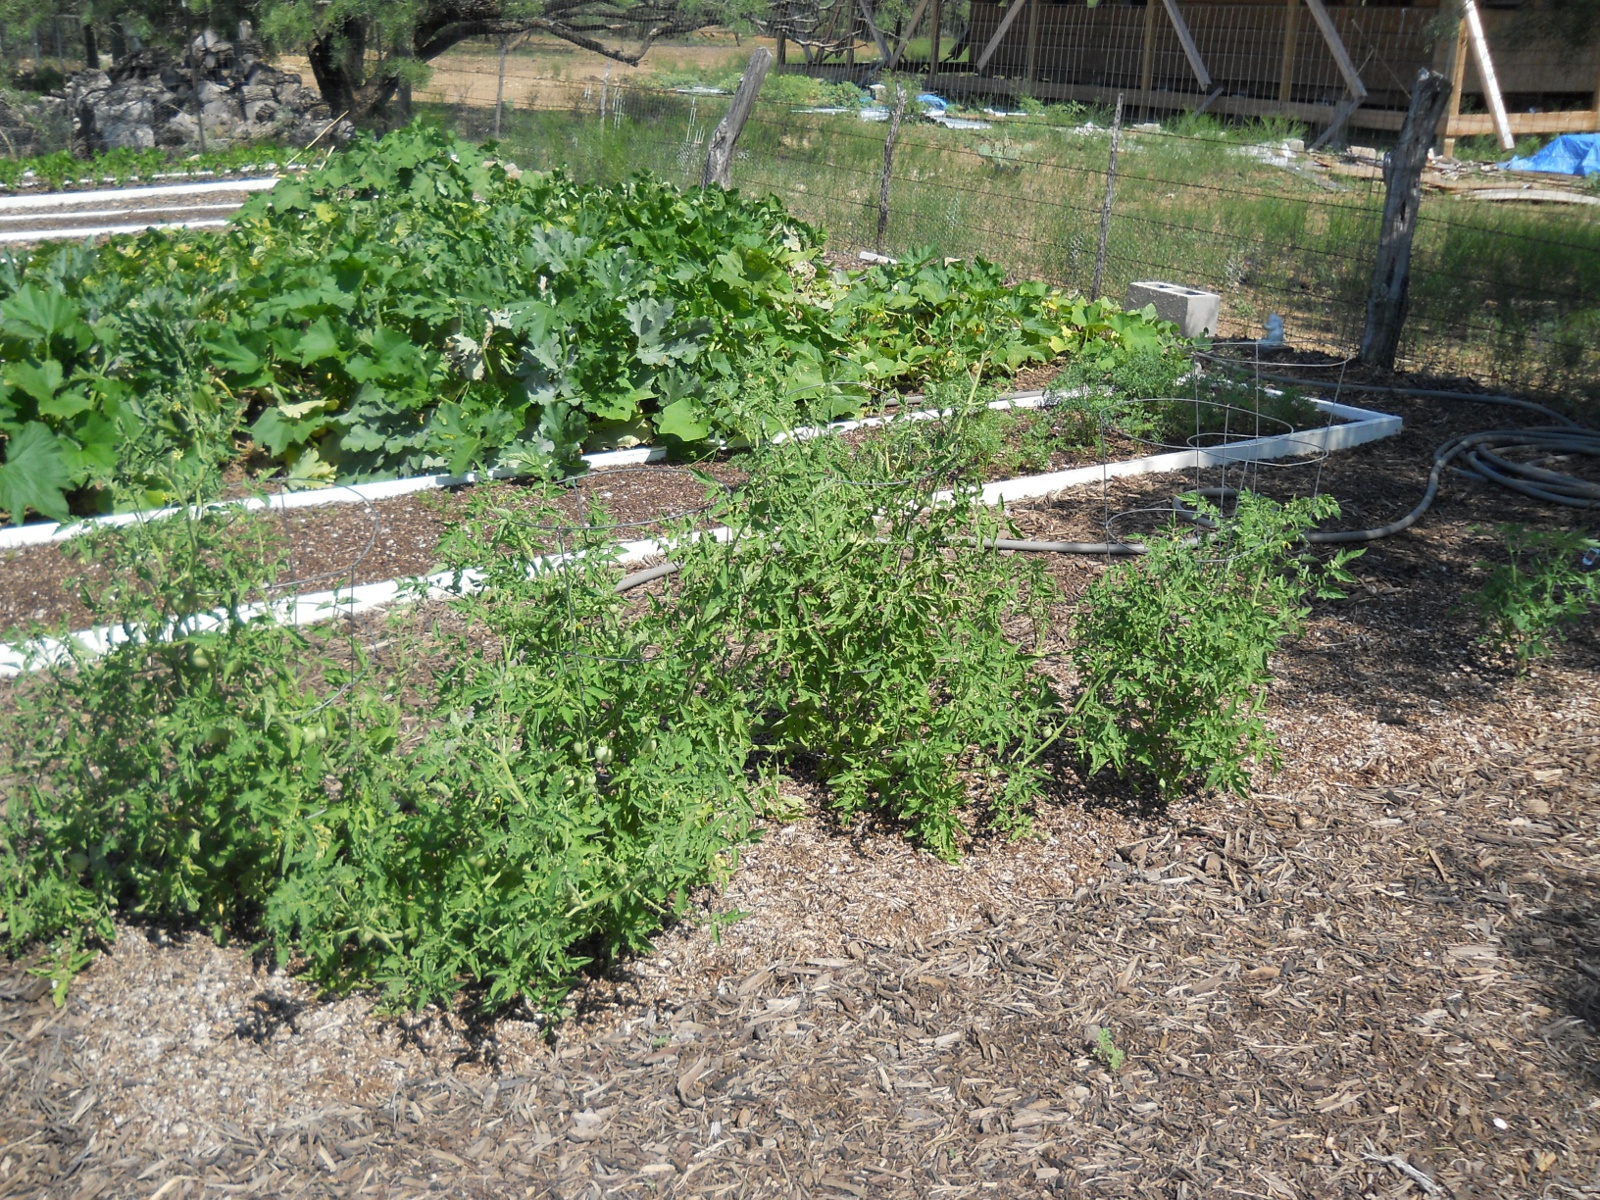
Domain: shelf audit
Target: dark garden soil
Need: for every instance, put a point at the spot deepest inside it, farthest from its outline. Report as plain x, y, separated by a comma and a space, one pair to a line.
1376, 976
343, 545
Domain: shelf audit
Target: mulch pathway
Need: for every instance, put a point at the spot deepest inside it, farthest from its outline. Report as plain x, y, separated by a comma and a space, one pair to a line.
1376, 976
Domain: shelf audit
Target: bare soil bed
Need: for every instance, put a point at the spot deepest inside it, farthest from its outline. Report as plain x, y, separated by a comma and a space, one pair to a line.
1379, 969
79, 214
347, 544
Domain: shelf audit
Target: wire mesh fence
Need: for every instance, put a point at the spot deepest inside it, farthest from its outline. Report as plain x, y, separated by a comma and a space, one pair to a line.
1503, 295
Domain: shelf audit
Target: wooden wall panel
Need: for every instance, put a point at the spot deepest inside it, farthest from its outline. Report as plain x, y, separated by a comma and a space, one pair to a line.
1242, 44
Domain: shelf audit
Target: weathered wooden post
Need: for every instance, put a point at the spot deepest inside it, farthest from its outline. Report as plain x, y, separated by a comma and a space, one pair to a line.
500, 88
1402, 175
895, 117
719, 157
1105, 205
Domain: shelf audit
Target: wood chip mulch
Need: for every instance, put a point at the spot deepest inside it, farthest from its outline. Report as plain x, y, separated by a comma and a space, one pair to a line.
1376, 976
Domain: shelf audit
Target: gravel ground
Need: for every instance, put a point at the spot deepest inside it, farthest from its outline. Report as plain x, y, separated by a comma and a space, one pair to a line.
1377, 975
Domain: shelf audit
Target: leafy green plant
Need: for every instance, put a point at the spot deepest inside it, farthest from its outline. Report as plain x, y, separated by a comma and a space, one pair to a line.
562, 800
1105, 1049
1173, 650
414, 306
1526, 603
123, 165
867, 626
168, 777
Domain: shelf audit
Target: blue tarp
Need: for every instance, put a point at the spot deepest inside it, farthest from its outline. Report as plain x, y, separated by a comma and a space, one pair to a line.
1569, 154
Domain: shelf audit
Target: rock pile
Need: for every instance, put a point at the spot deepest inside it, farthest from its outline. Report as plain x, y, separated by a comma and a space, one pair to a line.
151, 99
18, 136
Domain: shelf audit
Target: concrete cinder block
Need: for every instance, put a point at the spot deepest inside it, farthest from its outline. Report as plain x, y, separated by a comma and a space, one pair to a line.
1194, 312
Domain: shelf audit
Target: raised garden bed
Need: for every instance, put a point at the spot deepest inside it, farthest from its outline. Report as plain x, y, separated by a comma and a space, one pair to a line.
372, 541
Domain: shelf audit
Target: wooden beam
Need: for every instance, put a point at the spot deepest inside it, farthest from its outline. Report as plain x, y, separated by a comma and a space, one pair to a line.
933, 51
1458, 78
1581, 120
1388, 297
1190, 50
1486, 75
1291, 42
1341, 56
1031, 68
1341, 117
872, 28
1006, 21
916, 16
1147, 48
719, 157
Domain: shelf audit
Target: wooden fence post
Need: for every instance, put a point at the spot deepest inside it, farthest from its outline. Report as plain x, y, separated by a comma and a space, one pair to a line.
719, 158
500, 88
1402, 170
1105, 206
1458, 79
895, 117
1291, 45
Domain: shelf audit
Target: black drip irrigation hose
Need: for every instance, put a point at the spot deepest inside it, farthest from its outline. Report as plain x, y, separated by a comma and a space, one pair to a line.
1481, 456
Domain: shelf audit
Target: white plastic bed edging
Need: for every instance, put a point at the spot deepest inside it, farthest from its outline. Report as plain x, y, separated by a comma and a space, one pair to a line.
1361, 426
313, 607
42, 533
102, 195
86, 231
225, 206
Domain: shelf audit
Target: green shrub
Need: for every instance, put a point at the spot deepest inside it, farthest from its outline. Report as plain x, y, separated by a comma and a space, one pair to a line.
1526, 603
562, 801
168, 777
1173, 649
868, 629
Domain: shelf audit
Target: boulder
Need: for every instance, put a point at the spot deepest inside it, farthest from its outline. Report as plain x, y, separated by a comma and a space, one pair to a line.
18, 136
259, 112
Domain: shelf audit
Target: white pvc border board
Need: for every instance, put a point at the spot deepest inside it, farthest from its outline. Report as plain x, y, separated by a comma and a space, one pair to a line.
1359, 427
88, 231
42, 533
102, 195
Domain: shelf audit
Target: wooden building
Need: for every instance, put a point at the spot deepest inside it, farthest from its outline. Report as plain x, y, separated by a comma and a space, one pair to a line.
1316, 61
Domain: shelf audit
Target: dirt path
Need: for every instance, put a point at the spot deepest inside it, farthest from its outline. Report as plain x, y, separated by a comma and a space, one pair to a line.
1383, 960
548, 73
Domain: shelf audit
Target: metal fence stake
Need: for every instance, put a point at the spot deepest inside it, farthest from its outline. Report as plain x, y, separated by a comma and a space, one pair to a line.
1105, 205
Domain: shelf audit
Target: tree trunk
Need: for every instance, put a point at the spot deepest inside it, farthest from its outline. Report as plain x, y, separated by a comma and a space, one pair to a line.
91, 47
328, 68
1389, 297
